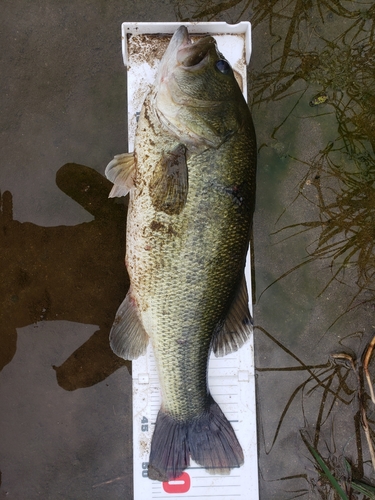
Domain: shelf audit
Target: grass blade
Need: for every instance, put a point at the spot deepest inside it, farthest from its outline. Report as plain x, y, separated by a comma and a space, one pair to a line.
326, 470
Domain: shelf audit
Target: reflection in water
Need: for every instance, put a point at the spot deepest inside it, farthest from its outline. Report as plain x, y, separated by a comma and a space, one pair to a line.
340, 179
73, 273
346, 238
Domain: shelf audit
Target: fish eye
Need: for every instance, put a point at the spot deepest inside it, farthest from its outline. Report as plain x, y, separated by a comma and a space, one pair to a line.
223, 66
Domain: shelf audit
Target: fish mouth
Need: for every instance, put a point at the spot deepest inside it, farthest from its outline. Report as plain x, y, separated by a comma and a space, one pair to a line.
183, 52
181, 37
196, 54
170, 93
191, 54
179, 40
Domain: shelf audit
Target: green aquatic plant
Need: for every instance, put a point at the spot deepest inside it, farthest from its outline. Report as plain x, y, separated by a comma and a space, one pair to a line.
350, 485
338, 386
325, 470
346, 225
339, 181
331, 379
361, 487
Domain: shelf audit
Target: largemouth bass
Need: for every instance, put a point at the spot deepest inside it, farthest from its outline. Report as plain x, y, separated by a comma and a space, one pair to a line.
191, 181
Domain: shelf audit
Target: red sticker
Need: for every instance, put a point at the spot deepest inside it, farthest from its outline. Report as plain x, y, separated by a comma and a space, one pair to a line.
179, 485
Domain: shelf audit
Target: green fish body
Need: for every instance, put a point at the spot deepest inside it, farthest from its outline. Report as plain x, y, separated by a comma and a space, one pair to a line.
191, 182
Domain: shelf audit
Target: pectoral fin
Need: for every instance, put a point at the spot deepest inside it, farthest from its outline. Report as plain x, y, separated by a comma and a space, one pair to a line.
169, 183
121, 171
237, 327
128, 338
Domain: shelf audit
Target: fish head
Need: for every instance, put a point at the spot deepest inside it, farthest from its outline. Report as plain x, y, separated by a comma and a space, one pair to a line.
197, 96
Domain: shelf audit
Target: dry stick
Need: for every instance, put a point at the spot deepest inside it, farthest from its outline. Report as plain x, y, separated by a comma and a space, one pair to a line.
366, 428
366, 361
367, 433
347, 357
108, 482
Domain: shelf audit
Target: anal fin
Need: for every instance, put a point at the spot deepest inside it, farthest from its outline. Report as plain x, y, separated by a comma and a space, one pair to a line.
128, 338
238, 325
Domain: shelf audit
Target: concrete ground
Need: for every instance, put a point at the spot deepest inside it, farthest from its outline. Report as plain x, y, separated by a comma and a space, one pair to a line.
65, 414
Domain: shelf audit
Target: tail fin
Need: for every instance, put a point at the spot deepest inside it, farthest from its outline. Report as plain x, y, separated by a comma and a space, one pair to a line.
209, 439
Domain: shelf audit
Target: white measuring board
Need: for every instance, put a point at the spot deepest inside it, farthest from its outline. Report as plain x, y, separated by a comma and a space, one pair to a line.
231, 378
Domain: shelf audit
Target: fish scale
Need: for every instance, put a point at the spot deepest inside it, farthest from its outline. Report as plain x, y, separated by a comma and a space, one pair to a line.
177, 399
